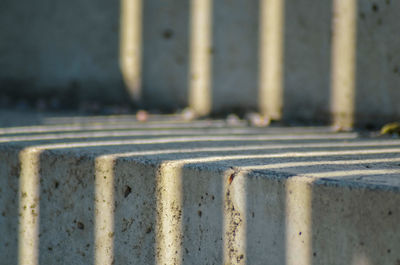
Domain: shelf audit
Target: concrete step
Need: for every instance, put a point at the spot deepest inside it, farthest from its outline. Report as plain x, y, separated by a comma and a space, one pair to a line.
111, 190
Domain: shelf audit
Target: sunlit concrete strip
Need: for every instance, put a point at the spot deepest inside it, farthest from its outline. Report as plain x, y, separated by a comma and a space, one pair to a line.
131, 46
133, 133
104, 210
319, 163
169, 214
293, 154
235, 225
344, 173
271, 57
111, 126
298, 222
222, 148
269, 147
200, 56
29, 210
118, 133
343, 77
123, 133
187, 139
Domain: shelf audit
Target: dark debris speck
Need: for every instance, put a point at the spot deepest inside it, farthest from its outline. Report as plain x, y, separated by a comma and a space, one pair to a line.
80, 225
127, 191
167, 34
149, 229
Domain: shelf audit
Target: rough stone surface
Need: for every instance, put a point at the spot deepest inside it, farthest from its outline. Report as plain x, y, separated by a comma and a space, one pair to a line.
103, 190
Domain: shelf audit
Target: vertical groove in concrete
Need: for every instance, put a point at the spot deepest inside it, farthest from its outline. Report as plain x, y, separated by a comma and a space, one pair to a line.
235, 206
131, 46
200, 56
29, 192
104, 210
271, 57
298, 222
343, 61
169, 235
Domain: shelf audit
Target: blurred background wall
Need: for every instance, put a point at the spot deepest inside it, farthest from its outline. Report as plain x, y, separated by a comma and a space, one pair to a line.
290, 59
62, 51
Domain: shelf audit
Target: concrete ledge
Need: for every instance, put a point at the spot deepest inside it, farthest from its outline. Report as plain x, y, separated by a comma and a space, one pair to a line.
110, 190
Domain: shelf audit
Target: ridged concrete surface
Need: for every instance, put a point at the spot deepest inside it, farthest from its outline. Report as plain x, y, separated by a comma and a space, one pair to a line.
111, 190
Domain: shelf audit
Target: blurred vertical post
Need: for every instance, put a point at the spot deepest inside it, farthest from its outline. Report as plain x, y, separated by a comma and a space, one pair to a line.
131, 46
271, 58
343, 62
200, 55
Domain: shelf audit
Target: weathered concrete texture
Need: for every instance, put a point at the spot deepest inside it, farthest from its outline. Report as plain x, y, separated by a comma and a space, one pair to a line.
200, 192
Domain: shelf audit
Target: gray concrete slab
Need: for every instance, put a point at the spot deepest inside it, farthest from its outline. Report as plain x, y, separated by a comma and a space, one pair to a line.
103, 190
